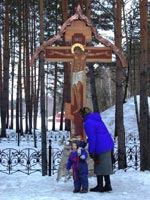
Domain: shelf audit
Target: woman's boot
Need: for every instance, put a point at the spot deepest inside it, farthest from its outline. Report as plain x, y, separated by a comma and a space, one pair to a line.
107, 186
99, 187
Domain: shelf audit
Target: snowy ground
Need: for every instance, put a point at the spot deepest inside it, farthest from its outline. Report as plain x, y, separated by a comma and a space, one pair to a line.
126, 186
130, 185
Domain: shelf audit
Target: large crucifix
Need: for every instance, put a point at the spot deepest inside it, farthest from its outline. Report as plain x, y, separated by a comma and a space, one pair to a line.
78, 54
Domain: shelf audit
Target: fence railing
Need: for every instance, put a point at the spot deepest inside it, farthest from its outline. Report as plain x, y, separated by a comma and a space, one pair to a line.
29, 160
58, 136
132, 157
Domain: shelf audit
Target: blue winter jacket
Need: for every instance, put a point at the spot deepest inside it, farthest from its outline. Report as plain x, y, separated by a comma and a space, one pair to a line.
77, 163
99, 139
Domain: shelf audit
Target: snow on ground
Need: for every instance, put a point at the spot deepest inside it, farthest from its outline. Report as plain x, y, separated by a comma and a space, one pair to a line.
126, 186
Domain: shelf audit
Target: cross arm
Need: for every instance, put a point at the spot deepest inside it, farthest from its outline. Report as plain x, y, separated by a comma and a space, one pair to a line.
98, 54
58, 54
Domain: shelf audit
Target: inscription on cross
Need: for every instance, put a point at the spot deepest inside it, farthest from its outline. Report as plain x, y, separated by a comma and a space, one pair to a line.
78, 54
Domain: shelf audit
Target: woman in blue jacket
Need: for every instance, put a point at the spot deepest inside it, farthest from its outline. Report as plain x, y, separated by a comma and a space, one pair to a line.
100, 145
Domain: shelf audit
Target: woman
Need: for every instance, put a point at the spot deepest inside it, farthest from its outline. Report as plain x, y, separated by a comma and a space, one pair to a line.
100, 145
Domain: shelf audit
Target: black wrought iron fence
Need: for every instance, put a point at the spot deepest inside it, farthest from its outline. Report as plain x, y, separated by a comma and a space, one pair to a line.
57, 136
132, 157
28, 160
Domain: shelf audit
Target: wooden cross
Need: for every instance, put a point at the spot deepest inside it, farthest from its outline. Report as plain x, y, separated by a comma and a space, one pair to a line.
78, 34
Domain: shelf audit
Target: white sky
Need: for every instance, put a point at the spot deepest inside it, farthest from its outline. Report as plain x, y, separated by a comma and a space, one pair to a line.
130, 185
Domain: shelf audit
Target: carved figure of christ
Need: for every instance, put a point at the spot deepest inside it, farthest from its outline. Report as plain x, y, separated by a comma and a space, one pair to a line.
78, 69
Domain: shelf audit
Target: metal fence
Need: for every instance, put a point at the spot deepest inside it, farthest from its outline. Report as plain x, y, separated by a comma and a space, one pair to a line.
57, 136
132, 154
28, 160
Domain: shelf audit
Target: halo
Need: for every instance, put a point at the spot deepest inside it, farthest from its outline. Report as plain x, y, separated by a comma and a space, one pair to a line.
77, 45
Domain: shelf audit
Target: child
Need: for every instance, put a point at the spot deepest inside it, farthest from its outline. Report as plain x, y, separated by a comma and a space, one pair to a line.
77, 160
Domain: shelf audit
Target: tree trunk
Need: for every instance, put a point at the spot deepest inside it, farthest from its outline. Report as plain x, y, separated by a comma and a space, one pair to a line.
27, 74
36, 85
128, 54
12, 100
42, 78
119, 125
55, 78
144, 113
5, 90
19, 128
12, 55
